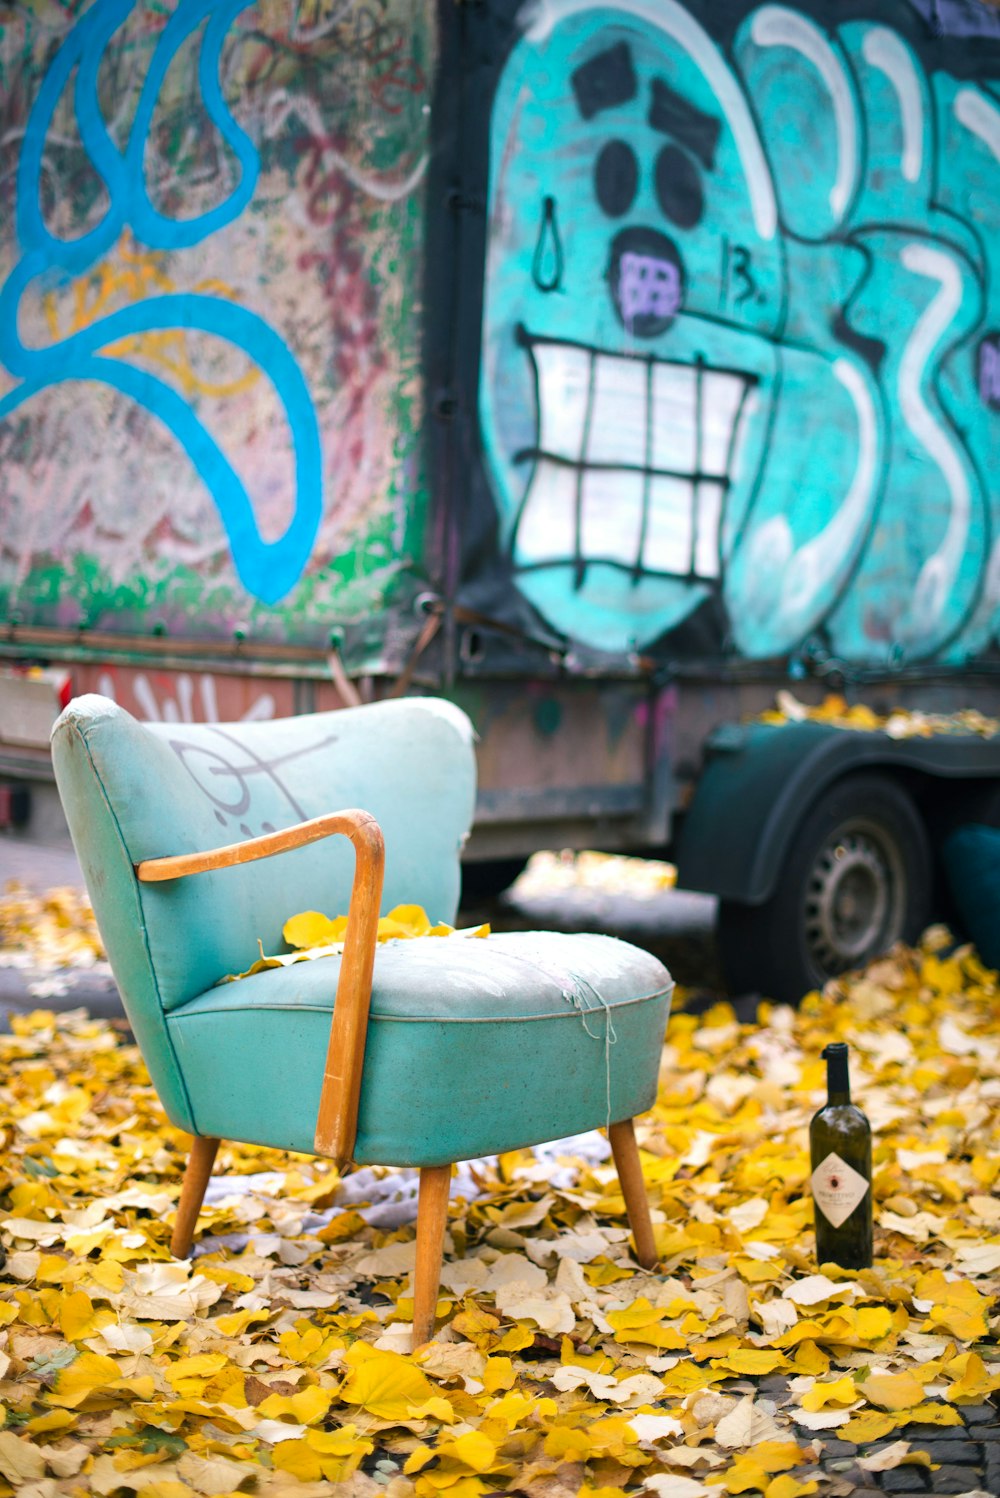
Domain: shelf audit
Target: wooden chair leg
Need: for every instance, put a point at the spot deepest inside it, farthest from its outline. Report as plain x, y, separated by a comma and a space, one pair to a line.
626, 1153
199, 1168
432, 1218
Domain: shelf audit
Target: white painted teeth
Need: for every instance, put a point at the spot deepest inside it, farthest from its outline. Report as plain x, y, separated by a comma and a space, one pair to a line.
720, 403
618, 418
608, 428
675, 420
563, 383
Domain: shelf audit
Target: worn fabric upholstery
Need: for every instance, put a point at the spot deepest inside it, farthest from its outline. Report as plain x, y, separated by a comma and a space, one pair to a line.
474, 1045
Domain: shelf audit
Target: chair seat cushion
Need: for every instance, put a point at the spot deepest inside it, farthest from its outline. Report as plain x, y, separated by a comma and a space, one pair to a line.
475, 1046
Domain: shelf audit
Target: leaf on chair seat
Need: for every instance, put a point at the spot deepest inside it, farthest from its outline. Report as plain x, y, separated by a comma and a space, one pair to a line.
313, 934
404, 920
311, 929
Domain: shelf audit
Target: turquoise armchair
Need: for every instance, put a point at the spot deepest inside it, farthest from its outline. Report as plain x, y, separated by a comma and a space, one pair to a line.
197, 839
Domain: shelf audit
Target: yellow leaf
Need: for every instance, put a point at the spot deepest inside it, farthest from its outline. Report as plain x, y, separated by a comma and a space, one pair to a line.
384, 1383
516, 1338
411, 920
89, 1374
418, 1459
477, 1325
893, 1391
108, 1274
54, 1420
743, 1475
435, 1408
687, 1378
837, 1392
640, 1322
965, 1321
311, 929
811, 1359
873, 1322
429, 1484
957, 1306
320, 1455
975, 1384
78, 1317
609, 1437
190, 1375
236, 1322
304, 1407
514, 1408
567, 1444
498, 1374
931, 1414
868, 1426
778, 1456
788, 1487
344, 1225
473, 1450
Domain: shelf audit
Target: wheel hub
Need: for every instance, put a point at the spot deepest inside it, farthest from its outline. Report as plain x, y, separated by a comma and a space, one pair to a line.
849, 901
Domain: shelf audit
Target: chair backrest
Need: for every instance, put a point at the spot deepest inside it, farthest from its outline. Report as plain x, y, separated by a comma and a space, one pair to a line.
132, 790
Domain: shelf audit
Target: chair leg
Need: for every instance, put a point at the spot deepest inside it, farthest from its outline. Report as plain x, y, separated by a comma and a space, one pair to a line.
199, 1168
432, 1218
626, 1153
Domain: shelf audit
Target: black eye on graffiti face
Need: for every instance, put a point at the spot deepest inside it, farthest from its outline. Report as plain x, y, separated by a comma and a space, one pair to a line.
678, 188
616, 178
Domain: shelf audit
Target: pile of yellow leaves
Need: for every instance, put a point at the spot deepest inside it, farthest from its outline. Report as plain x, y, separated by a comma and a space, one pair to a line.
275, 1361
901, 723
603, 873
48, 931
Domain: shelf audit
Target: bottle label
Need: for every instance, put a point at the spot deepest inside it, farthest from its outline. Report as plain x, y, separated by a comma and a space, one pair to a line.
837, 1188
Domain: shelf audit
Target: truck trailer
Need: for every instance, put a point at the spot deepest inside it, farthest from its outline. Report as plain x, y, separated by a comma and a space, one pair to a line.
603, 367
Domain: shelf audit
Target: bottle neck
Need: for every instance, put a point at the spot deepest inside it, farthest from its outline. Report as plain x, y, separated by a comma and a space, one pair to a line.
837, 1079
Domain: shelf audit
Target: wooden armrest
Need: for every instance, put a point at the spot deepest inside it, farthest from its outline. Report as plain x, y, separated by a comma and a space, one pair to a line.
337, 1121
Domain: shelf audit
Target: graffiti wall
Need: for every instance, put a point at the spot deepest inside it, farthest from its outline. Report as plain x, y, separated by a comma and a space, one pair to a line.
741, 334
211, 220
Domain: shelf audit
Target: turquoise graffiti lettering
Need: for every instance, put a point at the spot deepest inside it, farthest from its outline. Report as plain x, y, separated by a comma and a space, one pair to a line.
268, 569
740, 348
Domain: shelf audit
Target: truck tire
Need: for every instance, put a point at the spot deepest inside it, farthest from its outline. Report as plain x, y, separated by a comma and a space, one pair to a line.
487, 879
857, 877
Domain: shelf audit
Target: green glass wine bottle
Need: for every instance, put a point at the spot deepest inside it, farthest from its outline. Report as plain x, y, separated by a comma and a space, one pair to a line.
840, 1142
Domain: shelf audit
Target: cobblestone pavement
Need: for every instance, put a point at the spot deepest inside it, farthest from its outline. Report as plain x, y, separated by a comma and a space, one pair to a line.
965, 1458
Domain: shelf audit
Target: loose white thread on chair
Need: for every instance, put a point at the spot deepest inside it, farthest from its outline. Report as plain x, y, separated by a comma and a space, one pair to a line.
576, 998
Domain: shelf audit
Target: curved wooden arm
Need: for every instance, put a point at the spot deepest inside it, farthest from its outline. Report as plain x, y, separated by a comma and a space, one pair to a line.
178, 866
337, 1122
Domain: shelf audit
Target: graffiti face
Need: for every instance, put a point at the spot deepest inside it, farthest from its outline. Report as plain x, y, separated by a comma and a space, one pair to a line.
686, 389
633, 283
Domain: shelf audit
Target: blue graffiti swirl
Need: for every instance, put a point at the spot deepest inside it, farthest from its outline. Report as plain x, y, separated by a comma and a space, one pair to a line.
268, 570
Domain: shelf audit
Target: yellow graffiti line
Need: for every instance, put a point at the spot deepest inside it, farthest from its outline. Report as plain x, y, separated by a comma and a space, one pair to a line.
108, 285
169, 350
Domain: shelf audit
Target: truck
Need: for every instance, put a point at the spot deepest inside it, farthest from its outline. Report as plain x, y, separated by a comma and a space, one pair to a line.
606, 366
